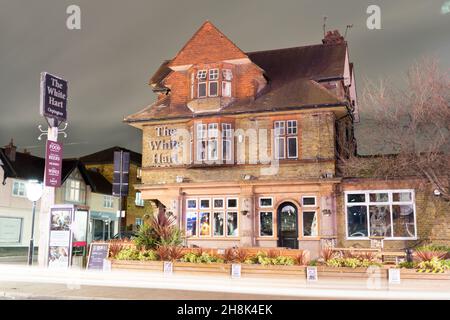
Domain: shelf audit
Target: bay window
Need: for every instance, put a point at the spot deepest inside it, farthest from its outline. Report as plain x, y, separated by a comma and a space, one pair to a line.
386, 213
211, 218
210, 81
209, 142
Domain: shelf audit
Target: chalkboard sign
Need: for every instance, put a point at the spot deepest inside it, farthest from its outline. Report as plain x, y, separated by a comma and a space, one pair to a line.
97, 254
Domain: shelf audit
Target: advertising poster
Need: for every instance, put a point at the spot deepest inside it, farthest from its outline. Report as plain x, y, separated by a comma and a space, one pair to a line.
60, 237
79, 228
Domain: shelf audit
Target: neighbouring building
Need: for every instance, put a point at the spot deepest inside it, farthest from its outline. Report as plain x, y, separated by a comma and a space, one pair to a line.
134, 205
242, 148
80, 186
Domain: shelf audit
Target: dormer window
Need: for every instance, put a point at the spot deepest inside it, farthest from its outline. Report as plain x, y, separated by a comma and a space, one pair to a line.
212, 83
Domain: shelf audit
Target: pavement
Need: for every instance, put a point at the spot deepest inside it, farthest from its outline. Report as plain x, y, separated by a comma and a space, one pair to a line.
23, 282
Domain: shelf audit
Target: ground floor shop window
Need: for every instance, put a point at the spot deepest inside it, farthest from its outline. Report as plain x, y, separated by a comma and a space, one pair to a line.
266, 224
211, 218
310, 225
386, 213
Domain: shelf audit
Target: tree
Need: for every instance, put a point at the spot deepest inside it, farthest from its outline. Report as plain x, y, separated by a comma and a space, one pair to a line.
409, 128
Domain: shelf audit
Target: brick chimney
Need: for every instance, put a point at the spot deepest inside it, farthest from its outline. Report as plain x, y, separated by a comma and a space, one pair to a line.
10, 151
333, 37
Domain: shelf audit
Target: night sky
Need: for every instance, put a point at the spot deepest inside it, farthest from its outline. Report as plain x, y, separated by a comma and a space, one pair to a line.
121, 43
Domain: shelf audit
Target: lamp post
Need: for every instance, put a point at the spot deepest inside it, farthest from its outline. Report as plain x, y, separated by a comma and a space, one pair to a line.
34, 193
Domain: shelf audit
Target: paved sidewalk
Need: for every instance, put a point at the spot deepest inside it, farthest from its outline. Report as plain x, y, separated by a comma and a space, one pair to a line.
21, 282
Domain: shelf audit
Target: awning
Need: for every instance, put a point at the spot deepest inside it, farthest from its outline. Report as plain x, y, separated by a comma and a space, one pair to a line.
100, 215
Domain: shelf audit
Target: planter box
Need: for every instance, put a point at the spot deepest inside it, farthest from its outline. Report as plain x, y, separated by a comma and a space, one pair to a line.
255, 270
413, 274
202, 268
136, 265
344, 272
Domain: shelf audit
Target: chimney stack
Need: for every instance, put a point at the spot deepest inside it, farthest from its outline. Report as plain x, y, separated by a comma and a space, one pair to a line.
10, 151
333, 37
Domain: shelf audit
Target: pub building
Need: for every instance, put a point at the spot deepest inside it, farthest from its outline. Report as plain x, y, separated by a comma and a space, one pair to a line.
241, 148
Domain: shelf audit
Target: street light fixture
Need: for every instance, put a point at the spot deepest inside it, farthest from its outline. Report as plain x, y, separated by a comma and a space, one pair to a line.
34, 193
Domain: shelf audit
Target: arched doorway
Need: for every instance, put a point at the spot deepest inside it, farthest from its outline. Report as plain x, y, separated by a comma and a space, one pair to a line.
288, 225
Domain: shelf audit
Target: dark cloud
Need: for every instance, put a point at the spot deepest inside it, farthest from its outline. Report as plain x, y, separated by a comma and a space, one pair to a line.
121, 43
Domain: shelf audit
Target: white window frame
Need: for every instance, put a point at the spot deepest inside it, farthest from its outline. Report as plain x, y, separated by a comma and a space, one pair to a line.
191, 199
138, 201
200, 204
198, 89
303, 222
227, 74
209, 89
287, 147
211, 210
202, 72
261, 206
226, 89
237, 203
227, 137
21, 184
108, 201
273, 223
213, 74
284, 130
309, 205
390, 202
214, 206
81, 191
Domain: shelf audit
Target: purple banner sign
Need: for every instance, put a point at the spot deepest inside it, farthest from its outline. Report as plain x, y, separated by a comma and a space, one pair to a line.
53, 164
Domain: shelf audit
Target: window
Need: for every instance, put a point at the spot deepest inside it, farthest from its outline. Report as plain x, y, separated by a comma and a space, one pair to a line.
266, 202
226, 89
285, 140
226, 141
209, 140
309, 201
139, 173
19, 189
310, 225
232, 224
108, 202
266, 224
75, 190
191, 203
208, 83
390, 214
219, 224
213, 74
218, 204
138, 222
198, 220
232, 203
138, 200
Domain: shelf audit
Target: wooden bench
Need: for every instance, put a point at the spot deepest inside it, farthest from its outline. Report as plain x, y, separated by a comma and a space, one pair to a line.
392, 256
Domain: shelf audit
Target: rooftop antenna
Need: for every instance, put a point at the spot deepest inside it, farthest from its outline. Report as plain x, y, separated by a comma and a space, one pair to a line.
349, 26
324, 24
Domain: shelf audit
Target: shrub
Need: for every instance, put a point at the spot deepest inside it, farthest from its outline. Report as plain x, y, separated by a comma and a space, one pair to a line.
435, 265
163, 253
146, 238
367, 255
428, 253
327, 254
117, 245
301, 259
240, 255
128, 254
351, 263
148, 255
407, 265
203, 257
228, 256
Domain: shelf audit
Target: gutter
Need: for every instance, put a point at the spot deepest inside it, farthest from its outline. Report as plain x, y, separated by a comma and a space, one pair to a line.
204, 115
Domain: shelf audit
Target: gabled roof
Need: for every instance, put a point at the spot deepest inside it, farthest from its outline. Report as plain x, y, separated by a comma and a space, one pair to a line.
107, 156
100, 183
196, 50
25, 166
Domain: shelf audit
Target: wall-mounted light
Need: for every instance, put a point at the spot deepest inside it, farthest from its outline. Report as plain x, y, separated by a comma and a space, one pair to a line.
179, 179
436, 192
326, 212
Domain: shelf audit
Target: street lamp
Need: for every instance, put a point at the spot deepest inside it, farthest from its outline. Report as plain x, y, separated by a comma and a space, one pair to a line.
34, 193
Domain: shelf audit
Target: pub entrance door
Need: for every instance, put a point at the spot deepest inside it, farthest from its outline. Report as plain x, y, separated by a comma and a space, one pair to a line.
288, 225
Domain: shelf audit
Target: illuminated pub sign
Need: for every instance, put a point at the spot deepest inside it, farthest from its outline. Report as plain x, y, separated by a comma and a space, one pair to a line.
53, 97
